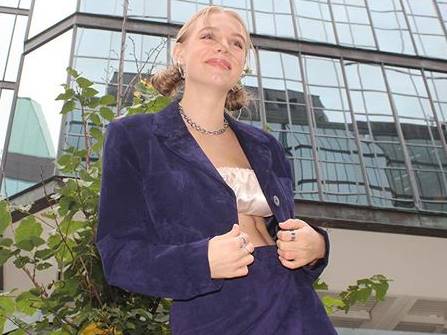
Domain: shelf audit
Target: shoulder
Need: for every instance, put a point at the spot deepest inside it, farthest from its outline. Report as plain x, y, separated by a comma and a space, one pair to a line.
129, 133
133, 122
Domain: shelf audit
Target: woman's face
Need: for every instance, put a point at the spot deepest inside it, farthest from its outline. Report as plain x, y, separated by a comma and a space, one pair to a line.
213, 53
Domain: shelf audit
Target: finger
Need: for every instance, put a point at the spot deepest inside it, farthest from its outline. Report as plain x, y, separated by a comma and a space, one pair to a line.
249, 259
286, 245
286, 263
290, 264
292, 224
244, 251
242, 271
288, 255
250, 247
244, 261
234, 231
287, 235
279, 244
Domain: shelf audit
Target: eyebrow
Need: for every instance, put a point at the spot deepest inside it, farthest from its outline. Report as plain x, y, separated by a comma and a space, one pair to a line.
214, 28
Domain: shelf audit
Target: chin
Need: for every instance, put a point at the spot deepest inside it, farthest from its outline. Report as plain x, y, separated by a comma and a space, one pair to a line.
217, 81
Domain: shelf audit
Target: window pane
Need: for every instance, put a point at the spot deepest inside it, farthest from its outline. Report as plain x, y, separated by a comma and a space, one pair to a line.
36, 114
14, 46
6, 97
47, 13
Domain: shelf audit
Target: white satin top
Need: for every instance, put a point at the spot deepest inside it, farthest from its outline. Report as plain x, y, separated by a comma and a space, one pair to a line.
250, 198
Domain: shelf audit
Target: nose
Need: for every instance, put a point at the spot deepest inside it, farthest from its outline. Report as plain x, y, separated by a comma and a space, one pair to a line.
222, 47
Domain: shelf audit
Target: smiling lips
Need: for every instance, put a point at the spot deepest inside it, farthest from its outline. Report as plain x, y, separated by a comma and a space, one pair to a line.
220, 62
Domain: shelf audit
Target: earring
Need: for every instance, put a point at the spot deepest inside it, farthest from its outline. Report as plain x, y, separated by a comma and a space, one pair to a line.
245, 72
180, 70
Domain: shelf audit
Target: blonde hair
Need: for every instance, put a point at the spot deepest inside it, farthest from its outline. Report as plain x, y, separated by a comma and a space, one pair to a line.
168, 81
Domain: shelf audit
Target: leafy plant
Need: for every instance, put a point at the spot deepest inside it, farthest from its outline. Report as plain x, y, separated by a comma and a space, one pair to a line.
80, 301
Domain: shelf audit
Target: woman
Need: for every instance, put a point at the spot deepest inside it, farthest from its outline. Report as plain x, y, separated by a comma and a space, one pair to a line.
190, 203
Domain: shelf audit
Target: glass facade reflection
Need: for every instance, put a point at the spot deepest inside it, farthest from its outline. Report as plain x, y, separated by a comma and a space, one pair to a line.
16, 3
35, 128
46, 13
13, 29
355, 132
6, 97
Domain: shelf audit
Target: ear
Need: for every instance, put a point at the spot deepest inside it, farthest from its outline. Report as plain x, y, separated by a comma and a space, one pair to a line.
178, 52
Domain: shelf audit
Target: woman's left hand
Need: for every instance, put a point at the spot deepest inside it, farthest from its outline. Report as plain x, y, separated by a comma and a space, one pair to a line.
307, 247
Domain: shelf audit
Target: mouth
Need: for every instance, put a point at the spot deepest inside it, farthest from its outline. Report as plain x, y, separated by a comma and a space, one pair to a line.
219, 63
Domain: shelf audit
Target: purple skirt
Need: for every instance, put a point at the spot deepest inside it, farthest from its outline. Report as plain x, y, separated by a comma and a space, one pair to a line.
271, 299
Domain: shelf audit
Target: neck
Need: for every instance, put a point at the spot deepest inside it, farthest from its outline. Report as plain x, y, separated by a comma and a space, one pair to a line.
205, 106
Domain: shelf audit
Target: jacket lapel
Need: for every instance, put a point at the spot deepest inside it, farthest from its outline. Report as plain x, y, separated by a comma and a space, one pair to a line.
169, 126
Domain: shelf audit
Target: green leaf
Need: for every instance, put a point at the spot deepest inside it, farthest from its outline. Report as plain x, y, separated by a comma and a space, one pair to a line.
25, 302
28, 233
68, 227
365, 281
89, 92
106, 113
5, 216
320, 285
83, 82
96, 133
364, 294
64, 160
4, 255
6, 242
381, 290
95, 119
18, 331
68, 94
2, 324
21, 261
68, 286
63, 254
92, 102
44, 254
331, 304
43, 266
72, 72
107, 100
68, 107
7, 305
97, 147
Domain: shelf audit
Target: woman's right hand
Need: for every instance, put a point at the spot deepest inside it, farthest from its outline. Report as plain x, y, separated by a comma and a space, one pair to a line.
226, 257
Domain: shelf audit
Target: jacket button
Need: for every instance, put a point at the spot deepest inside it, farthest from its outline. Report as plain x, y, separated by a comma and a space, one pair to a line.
276, 200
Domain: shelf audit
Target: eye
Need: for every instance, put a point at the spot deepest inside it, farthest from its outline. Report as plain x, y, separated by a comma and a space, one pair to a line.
239, 44
206, 35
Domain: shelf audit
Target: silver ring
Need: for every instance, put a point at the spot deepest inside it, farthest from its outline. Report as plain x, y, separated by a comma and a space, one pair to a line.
293, 233
244, 243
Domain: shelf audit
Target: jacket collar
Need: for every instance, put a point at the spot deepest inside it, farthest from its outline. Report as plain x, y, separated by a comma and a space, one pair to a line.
169, 126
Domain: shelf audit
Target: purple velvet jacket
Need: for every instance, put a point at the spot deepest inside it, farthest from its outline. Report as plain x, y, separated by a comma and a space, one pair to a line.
162, 200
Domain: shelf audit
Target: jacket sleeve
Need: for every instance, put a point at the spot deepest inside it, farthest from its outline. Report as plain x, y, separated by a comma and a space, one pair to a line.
313, 271
132, 256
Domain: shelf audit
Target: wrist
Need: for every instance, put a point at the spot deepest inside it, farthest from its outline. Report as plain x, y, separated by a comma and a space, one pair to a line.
322, 247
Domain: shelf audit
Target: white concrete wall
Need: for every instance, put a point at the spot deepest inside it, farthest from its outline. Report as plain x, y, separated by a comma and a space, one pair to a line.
417, 264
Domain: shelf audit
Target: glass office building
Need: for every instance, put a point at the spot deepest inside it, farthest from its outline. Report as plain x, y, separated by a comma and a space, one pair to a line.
355, 90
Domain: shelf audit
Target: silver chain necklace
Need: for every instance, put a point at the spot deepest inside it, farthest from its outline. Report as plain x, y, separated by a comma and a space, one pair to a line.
199, 128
